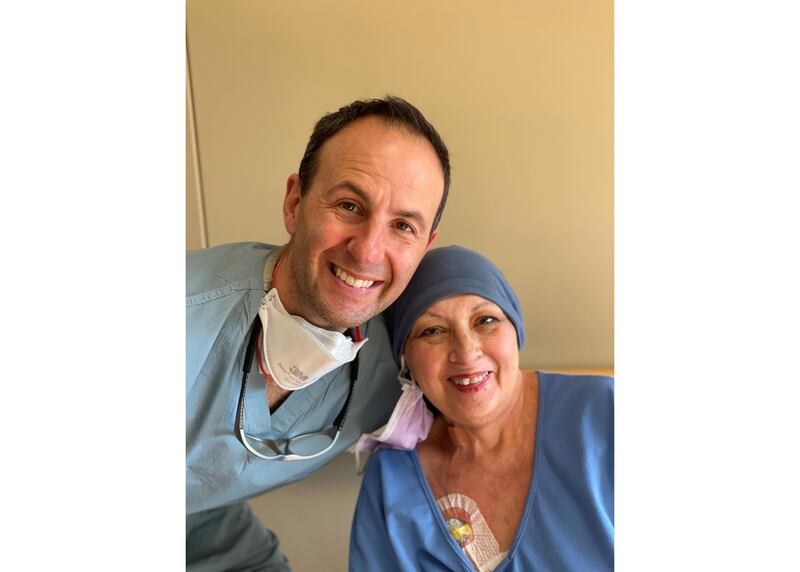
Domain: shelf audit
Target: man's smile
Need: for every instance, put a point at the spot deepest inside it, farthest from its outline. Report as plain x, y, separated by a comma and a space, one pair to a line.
353, 281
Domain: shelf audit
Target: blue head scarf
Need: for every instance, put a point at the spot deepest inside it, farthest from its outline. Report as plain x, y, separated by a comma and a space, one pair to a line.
445, 272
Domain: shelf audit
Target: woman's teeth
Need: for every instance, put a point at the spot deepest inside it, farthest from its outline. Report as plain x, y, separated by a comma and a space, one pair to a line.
469, 380
354, 282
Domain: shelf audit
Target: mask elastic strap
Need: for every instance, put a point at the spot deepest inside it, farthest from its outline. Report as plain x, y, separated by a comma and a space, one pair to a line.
404, 370
262, 367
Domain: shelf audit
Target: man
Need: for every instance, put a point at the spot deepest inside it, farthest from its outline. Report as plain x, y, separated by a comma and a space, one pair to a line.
361, 212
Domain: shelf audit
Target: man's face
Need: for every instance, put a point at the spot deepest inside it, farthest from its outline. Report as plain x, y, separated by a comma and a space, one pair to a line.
363, 226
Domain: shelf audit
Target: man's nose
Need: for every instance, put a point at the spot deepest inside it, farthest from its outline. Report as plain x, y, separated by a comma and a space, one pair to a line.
368, 244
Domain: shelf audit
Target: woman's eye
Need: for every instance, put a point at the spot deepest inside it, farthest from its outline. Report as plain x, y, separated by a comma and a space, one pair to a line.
432, 331
486, 320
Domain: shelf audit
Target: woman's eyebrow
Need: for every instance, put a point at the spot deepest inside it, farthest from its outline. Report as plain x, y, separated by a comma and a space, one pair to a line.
475, 308
431, 314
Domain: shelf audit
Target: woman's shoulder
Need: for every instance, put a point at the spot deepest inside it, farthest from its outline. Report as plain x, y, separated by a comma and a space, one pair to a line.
567, 395
390, 473
578, 383
388, 461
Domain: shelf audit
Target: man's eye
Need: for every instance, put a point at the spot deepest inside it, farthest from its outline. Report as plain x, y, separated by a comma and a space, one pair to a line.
348, 206
404, 226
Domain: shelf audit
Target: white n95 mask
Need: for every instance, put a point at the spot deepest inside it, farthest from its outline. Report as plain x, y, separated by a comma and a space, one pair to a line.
409, 424
298, 353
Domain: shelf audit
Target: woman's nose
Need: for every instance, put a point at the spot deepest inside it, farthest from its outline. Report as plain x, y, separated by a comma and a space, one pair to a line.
466, 348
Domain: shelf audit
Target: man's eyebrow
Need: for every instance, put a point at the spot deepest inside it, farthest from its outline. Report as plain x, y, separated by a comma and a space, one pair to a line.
362, 194
350, 186
414, 215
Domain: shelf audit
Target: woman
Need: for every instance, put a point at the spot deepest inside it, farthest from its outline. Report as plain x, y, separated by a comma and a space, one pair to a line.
516, 471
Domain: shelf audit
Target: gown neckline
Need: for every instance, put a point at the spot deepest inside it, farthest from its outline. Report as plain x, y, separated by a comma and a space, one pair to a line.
523, 521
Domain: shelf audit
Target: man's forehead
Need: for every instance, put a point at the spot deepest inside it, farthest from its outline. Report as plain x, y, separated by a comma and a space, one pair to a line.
374, 148
362, 135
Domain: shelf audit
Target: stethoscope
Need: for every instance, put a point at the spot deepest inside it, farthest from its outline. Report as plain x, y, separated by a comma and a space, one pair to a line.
300, 447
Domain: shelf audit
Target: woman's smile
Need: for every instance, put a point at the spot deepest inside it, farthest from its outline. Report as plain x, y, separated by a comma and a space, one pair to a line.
470, 382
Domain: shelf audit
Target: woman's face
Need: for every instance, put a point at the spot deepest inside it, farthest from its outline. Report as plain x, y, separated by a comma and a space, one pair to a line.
463, 354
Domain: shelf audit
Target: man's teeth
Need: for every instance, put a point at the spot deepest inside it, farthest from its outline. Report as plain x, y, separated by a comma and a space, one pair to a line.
354, 282
470, 380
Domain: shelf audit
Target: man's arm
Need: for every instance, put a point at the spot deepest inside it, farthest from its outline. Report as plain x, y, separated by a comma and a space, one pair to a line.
231, 538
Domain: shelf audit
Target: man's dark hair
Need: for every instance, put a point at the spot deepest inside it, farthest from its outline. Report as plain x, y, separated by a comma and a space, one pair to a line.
395, 111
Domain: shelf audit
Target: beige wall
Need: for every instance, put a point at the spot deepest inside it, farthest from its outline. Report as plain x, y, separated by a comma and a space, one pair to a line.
521, 92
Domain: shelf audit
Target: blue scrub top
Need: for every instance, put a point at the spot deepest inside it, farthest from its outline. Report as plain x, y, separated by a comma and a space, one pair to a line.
224, 288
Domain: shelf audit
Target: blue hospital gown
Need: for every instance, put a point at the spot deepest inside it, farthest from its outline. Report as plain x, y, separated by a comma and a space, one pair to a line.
568, 521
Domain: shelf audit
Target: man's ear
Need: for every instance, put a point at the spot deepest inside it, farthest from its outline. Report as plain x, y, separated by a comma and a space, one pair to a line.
291, 203
433, 236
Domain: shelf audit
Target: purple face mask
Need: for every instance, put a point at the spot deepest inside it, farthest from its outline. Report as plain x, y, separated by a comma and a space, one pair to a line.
409, 424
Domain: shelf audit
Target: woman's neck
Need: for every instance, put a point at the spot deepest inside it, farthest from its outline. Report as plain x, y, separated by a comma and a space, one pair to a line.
506, 433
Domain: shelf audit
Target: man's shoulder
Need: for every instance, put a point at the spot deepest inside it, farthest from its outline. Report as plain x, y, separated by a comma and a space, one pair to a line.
376, 322
239, 263
379, 346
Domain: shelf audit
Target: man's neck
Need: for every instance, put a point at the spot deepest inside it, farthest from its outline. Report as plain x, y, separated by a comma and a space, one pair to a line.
278, 275
269, 267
